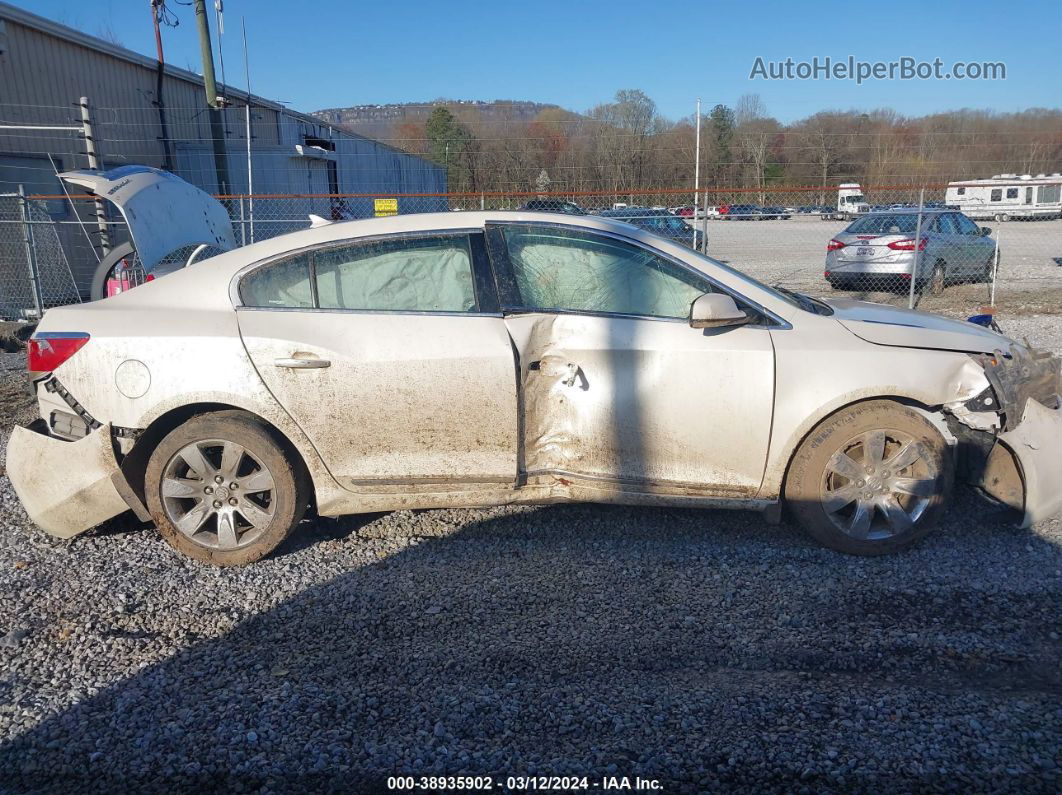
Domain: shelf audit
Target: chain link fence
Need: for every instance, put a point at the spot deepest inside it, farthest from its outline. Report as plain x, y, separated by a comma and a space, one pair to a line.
902, 245
34, 271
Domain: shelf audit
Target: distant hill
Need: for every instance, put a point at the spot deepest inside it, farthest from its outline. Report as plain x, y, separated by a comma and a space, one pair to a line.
376, 121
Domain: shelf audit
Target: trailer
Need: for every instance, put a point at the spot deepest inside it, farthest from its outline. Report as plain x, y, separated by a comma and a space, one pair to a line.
1007, 197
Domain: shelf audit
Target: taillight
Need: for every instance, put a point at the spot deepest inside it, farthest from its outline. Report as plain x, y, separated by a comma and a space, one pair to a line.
833, 245
49, 349
907, 245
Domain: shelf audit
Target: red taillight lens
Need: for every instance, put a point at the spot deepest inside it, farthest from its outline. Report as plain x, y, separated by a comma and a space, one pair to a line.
833, 245
907, 245
49, 349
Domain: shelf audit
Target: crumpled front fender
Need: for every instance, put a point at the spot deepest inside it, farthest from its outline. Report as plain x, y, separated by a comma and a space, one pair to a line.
1035, 443
65, 487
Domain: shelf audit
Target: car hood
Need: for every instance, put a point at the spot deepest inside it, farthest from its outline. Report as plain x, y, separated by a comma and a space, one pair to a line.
907, 328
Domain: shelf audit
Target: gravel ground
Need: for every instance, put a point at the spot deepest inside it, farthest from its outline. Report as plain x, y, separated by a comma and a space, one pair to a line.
705, 649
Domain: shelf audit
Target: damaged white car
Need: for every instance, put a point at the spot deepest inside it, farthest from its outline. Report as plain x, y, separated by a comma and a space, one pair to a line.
475, 359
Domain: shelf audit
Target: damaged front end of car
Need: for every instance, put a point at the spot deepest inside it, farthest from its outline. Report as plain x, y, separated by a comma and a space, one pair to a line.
1009, 434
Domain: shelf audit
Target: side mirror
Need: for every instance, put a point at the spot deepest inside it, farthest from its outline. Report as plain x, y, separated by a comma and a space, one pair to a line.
986, 231
716, 310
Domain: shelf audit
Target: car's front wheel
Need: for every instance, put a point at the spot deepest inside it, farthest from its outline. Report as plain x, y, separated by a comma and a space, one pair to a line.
870, 479
222, 490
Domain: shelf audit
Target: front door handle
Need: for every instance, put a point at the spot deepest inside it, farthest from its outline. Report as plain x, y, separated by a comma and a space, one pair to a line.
302, 364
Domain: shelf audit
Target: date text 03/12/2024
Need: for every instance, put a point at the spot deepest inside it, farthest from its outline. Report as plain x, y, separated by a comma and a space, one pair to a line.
522, 783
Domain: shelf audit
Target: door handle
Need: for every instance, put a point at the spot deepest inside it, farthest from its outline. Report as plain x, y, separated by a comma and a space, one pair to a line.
302, 364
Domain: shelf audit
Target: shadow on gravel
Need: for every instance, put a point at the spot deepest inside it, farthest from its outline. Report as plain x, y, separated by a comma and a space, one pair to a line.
704, 649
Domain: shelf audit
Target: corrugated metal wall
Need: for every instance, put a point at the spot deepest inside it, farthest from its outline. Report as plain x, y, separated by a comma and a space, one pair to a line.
43, 74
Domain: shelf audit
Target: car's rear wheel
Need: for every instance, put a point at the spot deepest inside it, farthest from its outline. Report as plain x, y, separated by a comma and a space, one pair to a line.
222, 490
871, 479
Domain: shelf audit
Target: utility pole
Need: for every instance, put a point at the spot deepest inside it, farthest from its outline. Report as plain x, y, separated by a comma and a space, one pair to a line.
214, 102
94, 163
167, 153
697, 161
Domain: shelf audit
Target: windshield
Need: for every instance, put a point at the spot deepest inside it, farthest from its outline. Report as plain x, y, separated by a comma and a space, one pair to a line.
854, 199
799, 300
899, 224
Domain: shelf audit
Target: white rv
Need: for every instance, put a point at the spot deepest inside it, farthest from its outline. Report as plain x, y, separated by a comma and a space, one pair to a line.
1006, 196
850, 202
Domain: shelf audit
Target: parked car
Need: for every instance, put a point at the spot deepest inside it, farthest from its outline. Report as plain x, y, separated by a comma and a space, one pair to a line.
880, 247
553, 206
486, 358
660, 222
741, 212
776, 213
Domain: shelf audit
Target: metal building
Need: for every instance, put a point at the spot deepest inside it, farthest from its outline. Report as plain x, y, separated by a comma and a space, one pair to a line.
45, 67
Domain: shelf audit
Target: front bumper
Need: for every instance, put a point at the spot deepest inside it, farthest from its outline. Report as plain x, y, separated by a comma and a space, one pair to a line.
67, 487
1035, 443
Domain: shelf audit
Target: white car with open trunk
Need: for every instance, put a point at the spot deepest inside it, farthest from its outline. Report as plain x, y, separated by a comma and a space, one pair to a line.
484, 358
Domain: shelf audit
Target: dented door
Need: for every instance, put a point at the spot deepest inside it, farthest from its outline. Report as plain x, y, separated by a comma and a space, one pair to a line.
645, 402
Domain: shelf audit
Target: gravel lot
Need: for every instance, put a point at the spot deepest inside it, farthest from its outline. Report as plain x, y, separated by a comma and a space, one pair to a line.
705, 649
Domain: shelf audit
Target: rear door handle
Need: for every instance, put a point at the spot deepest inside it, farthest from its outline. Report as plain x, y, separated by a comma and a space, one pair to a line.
302, 364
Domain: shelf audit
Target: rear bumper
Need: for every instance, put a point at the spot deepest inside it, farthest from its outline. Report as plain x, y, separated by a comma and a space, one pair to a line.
1035, 443
67, 487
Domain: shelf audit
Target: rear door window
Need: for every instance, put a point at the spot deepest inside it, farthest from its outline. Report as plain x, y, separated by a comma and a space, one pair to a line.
283, 285
429, 274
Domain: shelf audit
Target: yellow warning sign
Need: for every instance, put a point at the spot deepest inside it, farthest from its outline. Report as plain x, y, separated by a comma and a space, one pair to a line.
383, 207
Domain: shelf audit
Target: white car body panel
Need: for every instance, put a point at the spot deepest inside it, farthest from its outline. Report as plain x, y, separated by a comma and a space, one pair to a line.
645, 402
163, 212
406, 398
705, 434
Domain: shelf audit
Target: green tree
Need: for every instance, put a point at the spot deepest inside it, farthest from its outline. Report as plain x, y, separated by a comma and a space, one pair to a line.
721, 134
452, 146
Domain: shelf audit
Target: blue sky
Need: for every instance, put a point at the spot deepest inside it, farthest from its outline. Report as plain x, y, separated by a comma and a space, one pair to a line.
577, 54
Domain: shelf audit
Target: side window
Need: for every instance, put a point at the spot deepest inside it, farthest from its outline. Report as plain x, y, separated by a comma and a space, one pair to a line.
1012, 193
997, 195
284, 284
948, 225
961, 191
966, 226
584, 272
429, 274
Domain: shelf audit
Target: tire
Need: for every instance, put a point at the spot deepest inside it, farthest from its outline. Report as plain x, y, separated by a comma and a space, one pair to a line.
219, 522
872, 522
939, 279
98, 290
1002, 217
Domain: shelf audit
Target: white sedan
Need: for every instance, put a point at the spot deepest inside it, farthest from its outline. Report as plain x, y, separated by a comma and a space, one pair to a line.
478, 359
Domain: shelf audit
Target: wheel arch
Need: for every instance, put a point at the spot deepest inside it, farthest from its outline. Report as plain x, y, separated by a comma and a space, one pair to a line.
134, 463
787, 453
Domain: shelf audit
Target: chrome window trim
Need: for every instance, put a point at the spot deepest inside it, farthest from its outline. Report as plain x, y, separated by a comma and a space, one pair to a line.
246, 270
312, 310
781, 323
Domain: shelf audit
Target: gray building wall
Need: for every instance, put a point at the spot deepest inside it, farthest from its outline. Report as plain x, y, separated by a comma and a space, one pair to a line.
46, 67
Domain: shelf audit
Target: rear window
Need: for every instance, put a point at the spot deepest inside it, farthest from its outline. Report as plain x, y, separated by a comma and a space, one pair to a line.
884, 225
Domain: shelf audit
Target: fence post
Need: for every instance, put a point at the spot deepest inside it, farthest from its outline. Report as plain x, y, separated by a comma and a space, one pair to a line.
704, 221
31, 258
917, 245
94, 163
995, 268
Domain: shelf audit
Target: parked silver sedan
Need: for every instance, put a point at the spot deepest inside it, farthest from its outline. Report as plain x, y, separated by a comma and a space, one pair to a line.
476, 359
878, 250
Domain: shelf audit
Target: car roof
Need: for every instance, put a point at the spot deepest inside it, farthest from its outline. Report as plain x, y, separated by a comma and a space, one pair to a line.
910, 211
